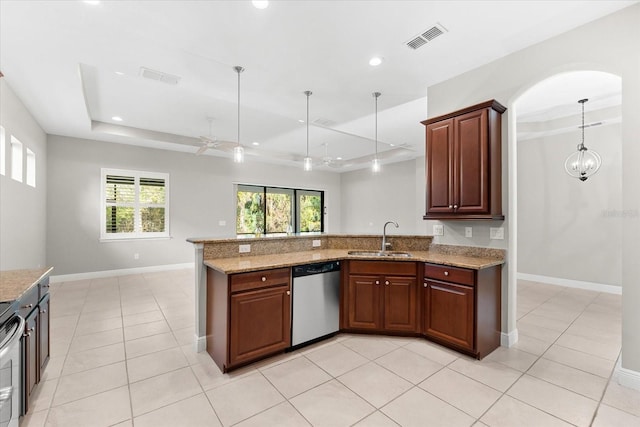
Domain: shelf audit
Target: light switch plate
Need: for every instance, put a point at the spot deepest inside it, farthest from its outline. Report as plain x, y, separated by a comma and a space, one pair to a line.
244, 248
496, 233
316, 243
438, 230
468, 232
222, 223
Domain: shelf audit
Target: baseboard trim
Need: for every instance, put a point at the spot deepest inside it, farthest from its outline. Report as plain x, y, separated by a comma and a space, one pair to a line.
121, 272
201, 344
626, 377
508, 340
591, 286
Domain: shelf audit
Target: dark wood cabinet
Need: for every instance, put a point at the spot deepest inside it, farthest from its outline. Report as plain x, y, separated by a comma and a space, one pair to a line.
463, 164
461, 308
248, 315
383, 300
44, 347
30, 365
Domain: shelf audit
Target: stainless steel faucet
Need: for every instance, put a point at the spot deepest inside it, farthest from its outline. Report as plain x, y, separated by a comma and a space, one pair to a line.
384, 234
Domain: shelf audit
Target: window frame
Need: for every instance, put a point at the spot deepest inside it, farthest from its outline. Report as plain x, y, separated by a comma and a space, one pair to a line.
17, 159
137, 205
295, 207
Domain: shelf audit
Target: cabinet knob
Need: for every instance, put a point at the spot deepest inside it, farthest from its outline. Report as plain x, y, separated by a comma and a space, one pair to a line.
27, 306
424, 284
28, 334
455, 206
386, 282
450, 206
288, 292
377, 282
264, 279
446, 273
43, 311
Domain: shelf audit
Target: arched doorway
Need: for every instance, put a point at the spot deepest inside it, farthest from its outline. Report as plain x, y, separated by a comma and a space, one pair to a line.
563, 231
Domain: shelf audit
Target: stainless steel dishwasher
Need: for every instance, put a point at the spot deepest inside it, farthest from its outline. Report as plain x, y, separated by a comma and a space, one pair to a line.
316, 302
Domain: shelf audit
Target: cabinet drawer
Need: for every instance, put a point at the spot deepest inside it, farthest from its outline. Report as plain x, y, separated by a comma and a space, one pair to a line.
43, 287
259, 279
449, 274
28, 301
402, 268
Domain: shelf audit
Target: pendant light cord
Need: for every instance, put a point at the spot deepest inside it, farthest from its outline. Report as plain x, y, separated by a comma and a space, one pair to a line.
308, 93
376, 95
238, 69
581, 145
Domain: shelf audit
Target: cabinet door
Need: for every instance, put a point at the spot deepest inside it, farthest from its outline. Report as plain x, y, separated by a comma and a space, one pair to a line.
30, 365
364, 302
260, 323
471, 165
43, 334
449, 312
400, 304
439, 167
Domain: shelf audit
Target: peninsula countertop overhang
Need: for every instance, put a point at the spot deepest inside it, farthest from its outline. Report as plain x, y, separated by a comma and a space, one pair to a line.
14, 283
264, 262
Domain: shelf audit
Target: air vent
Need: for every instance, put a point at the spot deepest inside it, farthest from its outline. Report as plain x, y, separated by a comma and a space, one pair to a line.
148, 73
426, 36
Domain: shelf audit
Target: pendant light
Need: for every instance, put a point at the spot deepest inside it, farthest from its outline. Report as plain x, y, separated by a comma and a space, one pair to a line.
238, 151
583, 163
375, 165
308, 162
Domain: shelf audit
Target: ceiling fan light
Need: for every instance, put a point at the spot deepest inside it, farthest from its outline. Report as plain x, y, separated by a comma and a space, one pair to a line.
308, 164
375, 165
238, 154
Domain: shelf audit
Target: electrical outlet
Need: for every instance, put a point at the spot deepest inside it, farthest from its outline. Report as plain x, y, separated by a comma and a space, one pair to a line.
438, 230
244, 248
316, 243
468, 232
222, 223
496, 233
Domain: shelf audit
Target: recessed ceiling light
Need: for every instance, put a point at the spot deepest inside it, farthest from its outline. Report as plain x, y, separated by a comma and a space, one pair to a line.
116, 118
375, 61
256, 143
92, 2
338, 158
300, 120
120, 73
260, 4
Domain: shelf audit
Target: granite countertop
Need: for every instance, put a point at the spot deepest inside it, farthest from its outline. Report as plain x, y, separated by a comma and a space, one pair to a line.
14, 283
263, 262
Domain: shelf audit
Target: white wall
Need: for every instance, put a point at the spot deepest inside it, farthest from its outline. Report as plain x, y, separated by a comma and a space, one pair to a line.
201, 194
506, 79
23, 208
369, 200
569, 229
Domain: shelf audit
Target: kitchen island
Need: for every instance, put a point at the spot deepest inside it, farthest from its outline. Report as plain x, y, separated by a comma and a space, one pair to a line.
454, 279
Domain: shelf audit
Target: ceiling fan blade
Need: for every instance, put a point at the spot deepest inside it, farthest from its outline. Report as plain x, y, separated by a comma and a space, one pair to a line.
202, 149
207, 140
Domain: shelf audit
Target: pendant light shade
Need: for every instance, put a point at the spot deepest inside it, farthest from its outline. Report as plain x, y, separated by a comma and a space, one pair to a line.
584, 162
375, 164
238, 151
308, 162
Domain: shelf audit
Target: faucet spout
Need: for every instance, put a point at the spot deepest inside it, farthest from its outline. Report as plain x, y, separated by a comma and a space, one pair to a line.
384, 234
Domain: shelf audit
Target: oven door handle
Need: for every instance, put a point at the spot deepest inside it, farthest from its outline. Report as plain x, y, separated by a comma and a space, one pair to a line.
14, 340
5, 393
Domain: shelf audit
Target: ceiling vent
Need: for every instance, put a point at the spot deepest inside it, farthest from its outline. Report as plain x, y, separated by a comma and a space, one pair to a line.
426, 36
169, 79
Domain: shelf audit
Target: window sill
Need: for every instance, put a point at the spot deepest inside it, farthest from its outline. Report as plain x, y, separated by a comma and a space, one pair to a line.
129, 239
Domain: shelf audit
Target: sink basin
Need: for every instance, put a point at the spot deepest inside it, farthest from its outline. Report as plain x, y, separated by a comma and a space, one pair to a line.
380, 253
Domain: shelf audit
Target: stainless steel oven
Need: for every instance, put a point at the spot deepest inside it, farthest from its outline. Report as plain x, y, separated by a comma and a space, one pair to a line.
10, 334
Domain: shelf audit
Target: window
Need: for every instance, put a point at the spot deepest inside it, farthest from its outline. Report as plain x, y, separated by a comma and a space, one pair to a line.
31, 168
277, 211
134, 204
16, 159
3, 151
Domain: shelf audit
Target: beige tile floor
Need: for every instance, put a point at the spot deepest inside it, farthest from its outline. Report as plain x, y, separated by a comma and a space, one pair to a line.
122, 355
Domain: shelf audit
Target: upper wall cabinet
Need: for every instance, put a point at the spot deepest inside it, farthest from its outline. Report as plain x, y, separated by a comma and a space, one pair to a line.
464, 164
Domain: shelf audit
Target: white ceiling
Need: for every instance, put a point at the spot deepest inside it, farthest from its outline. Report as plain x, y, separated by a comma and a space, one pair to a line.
61, 58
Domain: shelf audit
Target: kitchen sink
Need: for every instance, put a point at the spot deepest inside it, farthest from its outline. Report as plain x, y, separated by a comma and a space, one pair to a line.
380, 253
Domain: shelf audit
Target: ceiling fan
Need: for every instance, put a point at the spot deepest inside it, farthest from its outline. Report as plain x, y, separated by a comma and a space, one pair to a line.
329, 161
211, 142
